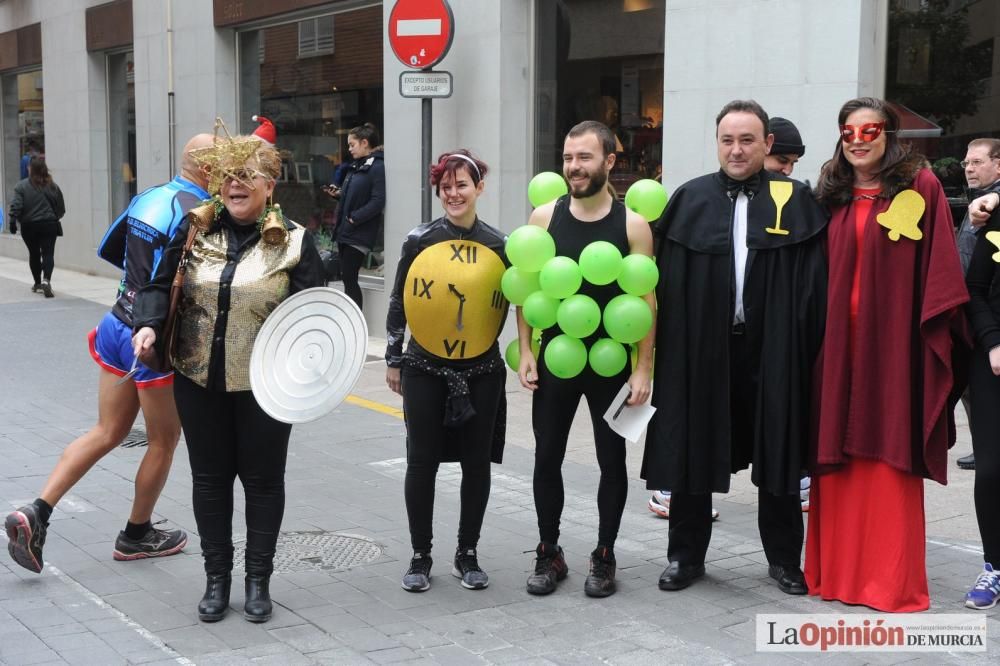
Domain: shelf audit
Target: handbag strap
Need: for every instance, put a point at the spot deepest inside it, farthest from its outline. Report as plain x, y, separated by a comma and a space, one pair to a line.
182, 265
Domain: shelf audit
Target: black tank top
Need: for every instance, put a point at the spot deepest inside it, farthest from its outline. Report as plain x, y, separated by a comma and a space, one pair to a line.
571, 236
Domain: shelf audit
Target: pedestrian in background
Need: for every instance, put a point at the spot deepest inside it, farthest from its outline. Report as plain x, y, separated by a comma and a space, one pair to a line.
362, 202
982, 175
37, 207
133, 243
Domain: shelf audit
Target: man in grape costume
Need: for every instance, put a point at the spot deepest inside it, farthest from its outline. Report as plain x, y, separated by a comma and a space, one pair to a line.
590, 214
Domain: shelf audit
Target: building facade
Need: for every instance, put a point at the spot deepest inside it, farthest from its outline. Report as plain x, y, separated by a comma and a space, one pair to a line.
110, 91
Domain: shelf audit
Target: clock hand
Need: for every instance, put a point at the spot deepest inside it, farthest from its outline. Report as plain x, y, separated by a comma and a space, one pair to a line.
461, 304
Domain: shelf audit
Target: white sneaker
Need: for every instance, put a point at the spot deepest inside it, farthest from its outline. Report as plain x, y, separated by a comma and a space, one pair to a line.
659, 504
804, 484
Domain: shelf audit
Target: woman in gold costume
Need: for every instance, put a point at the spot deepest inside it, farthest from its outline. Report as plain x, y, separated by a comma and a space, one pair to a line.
245, 259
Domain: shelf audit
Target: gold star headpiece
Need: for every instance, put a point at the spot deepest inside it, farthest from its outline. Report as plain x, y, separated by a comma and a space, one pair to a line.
227, 158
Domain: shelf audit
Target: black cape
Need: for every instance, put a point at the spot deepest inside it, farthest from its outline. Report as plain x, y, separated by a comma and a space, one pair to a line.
689, 445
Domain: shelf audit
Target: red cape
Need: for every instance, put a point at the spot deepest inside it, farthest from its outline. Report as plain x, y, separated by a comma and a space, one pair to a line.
893, 398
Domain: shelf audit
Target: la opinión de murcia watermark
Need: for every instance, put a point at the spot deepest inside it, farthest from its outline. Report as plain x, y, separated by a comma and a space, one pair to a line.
871, 633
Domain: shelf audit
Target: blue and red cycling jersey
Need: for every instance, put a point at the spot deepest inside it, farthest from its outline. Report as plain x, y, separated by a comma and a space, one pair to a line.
136, 240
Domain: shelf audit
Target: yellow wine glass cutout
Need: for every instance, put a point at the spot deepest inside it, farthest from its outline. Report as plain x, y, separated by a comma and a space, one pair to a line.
903, 216
781, 192
994, 237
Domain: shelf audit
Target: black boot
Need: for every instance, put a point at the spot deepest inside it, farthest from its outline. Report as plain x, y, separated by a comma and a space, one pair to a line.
257, 607
215, 603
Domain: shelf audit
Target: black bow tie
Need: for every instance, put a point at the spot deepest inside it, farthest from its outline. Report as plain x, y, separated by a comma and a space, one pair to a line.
748, 187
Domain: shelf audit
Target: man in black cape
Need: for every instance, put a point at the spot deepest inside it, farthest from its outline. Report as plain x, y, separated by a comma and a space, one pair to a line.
742, 303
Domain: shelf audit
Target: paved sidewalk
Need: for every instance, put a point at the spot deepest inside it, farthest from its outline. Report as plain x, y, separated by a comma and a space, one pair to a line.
344, 482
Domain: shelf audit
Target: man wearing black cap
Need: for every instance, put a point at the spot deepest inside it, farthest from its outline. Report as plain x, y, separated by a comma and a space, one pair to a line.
786, 149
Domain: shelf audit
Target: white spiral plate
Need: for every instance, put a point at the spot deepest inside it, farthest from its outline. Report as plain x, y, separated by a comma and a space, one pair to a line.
308, 355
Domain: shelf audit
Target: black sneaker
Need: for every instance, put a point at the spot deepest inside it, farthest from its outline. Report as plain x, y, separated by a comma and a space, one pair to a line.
467, 568
601, 580
418, 577
156, 543
47, 289
37, 287
26, 536
550, 568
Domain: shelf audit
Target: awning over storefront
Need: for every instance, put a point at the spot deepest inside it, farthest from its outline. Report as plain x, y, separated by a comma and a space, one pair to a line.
912, 125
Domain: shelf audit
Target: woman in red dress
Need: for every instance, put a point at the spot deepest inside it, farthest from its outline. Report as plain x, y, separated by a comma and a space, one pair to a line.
886, 391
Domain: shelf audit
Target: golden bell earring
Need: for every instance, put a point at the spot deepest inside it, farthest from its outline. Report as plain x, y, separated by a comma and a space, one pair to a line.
273, 229
203, 216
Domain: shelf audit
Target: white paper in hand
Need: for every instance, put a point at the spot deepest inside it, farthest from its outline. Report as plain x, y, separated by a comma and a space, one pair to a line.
629, 421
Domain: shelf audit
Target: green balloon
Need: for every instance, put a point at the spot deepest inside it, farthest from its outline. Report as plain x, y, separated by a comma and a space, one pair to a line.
639, 275
627, 318
512, 354
600, 262
647, 197
559, 277
545, 187
529, 247
540, 310
579, 316
565, 356
517, 285
607, 357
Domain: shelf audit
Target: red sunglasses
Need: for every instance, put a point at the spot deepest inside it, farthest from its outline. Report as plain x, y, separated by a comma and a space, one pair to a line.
866, 133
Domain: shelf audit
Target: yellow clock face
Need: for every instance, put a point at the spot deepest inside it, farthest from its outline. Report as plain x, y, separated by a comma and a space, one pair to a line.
452, 298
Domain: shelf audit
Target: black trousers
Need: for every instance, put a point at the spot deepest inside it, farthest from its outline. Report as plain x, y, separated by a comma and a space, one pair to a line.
423, 403
553, 406
984, 393
228, 435
779, 517
41, 251
351, 261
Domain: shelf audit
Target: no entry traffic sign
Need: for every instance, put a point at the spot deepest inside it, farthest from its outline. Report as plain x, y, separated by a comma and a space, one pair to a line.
420, 31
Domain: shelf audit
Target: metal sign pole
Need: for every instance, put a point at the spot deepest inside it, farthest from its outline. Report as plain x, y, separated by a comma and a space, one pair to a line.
425, 157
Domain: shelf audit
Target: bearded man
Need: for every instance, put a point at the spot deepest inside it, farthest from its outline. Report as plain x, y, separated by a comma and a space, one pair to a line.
588, 214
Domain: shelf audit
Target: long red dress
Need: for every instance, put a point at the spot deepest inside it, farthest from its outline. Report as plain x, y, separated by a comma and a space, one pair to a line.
866, 536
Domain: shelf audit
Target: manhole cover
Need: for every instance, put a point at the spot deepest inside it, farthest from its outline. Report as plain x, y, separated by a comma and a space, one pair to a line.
311, 551
136, 437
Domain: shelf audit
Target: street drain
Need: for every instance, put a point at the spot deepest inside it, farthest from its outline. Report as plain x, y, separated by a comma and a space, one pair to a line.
316, 551
136, 437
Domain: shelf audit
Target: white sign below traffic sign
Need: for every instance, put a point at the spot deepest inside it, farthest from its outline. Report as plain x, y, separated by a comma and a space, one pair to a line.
425, 84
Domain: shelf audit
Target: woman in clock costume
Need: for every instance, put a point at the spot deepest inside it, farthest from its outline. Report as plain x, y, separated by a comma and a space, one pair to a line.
451, 377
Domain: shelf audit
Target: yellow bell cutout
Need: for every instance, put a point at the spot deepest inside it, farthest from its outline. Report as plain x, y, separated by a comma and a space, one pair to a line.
994, 237
903, 215
781, 192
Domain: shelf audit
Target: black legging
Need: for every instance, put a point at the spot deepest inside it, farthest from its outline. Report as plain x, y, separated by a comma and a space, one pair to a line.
41, 251
984, 394
553, 407
228, 435
351, 261
423, 402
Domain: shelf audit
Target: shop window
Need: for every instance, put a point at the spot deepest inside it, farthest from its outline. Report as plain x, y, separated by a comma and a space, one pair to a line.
940, 73
316, 37
121, 129
314, 102
599, 60
24, 134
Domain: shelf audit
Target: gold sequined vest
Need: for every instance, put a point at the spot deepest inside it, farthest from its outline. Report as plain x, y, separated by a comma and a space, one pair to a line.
260, 283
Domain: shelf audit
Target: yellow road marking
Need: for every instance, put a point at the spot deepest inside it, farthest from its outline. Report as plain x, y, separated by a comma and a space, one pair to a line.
374, 406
